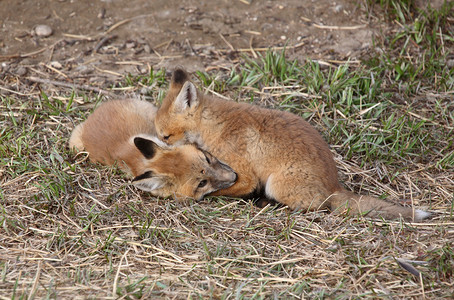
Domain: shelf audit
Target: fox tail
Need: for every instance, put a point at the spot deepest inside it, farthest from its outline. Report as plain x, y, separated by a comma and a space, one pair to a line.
355, 204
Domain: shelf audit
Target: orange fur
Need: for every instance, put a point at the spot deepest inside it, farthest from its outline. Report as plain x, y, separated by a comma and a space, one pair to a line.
272, 151
123, 132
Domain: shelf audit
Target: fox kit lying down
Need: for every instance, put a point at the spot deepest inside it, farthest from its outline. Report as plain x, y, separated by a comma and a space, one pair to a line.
123, 131
272, 151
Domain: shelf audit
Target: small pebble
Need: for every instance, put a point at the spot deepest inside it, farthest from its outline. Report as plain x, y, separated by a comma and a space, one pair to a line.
5, 67
43, 30
56, 64
338, 8
84, 70
450, 63
102, 13
21, 71
146, 90
147, 48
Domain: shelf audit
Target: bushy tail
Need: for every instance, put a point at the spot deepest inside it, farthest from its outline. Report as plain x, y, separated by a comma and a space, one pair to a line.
355, 204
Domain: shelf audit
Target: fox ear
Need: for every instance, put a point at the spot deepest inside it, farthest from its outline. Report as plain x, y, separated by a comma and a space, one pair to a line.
149, 182
179, 76
146, 147
187, 98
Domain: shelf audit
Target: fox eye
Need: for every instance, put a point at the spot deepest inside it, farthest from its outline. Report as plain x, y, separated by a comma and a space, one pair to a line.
203, 183
166, 137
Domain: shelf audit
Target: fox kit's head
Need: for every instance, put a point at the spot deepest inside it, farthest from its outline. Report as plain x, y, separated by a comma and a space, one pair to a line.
183, 171
180, 110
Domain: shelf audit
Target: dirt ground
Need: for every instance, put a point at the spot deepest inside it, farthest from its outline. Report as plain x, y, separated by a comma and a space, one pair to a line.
100, 41
95, 44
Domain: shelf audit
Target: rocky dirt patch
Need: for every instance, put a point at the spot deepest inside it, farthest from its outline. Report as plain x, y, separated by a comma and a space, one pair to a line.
100, 41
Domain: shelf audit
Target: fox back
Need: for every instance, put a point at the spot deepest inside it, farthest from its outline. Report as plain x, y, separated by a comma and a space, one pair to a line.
274, 152
123, 132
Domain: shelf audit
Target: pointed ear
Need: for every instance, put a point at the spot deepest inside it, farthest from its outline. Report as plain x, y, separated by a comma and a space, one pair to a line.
179, 77
146, 147
149, 182
187, 99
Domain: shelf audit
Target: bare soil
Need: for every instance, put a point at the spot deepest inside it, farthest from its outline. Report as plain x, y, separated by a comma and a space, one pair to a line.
113, 37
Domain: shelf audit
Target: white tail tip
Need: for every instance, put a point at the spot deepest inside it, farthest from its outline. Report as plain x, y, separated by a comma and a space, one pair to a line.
421, 215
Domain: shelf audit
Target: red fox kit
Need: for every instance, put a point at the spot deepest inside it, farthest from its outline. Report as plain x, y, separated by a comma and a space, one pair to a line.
272, 151
123, 131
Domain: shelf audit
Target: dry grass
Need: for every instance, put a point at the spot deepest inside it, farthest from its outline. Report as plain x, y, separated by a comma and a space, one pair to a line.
108, 240
71, 229
74, 230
